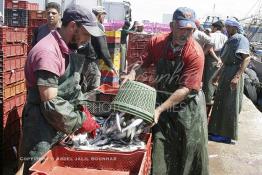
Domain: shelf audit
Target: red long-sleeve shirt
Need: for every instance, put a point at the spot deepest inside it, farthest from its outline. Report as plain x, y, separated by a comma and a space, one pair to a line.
192, 57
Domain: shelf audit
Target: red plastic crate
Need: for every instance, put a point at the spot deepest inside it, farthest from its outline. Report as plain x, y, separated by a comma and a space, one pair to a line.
113, 84
13, 63
134, 54
20, 99
135, 37
107, 94
34, 6
106, 89
12, 35
24, 5
37, 14
81, 171
10, 50
69, 159
13, 76
108, 73
10, 4
138, 45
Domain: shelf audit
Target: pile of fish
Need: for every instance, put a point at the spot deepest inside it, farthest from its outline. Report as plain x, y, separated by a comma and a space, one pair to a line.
118, 132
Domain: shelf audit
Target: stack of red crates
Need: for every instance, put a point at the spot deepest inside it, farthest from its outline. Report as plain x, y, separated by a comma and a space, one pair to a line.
24, 14
13, 51
16, 12
137, 44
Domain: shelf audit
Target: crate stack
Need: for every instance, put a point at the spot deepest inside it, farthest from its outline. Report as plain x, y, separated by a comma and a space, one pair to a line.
35, 19
24, 14
113, 42
13, 50
16, 12
136, 46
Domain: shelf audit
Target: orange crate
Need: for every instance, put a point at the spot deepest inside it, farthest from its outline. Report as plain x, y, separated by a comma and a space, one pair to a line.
68, 159
14, 89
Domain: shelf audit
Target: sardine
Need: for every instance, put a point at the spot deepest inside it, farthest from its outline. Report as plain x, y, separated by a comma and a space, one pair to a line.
133, 124
98, 138
103, 142
118, 120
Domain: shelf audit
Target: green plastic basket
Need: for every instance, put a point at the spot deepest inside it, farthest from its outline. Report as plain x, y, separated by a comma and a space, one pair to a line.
137, 99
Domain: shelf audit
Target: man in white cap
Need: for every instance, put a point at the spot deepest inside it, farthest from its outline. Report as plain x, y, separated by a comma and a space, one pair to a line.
100, 13
140, 27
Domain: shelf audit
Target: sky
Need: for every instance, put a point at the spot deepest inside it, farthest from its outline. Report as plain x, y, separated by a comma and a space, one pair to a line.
153, 10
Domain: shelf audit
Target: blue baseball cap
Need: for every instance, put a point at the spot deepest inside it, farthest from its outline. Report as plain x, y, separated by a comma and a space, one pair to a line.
83, 16
184, 17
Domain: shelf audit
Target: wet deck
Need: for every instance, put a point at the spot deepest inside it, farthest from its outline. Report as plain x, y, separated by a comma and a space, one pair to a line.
245, 157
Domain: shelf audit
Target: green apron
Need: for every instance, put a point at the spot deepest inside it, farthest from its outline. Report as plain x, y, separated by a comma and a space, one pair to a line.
180, 136
227, 103
39, 133
209, 70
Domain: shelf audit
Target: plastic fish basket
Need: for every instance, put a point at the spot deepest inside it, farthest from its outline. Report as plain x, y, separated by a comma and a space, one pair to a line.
69, 161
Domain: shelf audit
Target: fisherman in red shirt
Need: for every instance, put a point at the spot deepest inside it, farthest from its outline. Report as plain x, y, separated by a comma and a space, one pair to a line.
180, 130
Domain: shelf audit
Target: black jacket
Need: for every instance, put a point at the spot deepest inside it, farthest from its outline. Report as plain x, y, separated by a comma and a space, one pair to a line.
101, 49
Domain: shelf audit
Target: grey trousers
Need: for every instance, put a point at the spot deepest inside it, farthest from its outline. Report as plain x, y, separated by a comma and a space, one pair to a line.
91, 77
